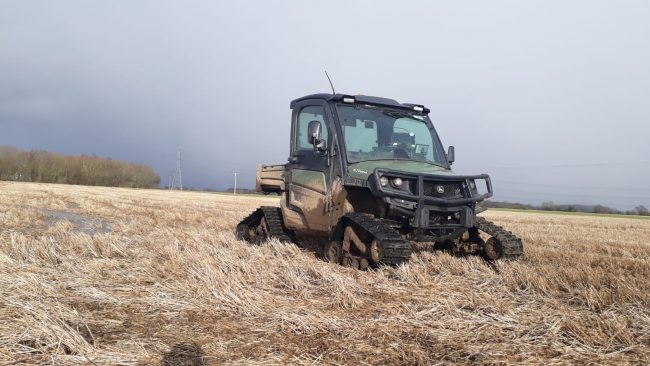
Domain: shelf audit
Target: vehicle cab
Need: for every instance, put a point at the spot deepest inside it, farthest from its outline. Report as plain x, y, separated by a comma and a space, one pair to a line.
373, 155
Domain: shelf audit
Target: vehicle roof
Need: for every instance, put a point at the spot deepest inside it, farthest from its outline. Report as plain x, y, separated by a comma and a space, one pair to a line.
364, 99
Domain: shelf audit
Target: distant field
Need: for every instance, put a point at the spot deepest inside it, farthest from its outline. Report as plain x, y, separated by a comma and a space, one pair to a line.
115, 276
637, 217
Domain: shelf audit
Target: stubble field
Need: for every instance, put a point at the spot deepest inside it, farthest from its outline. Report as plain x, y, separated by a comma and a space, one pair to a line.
137, 277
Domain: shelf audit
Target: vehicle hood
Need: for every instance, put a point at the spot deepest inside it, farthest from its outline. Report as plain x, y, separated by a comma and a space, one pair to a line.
363, 169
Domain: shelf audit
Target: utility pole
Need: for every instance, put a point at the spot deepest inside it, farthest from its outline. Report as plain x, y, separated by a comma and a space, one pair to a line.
234, 190
177, 180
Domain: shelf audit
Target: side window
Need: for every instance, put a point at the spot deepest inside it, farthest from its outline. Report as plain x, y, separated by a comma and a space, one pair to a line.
306, 115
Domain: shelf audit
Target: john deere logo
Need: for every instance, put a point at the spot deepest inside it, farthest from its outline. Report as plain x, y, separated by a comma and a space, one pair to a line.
440, 189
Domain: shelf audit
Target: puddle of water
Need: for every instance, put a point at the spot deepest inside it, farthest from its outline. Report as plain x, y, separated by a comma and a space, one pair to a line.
83, 223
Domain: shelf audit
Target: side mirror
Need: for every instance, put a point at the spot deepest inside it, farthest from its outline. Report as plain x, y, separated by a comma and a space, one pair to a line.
451, 155
314, 135
314, 132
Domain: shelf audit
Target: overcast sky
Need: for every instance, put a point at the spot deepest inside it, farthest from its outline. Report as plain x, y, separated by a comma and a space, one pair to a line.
549, 97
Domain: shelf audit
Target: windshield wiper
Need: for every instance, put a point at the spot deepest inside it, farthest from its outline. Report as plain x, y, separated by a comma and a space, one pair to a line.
397, 114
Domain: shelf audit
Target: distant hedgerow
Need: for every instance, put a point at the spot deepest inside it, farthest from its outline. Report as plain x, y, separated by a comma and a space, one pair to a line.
46, 167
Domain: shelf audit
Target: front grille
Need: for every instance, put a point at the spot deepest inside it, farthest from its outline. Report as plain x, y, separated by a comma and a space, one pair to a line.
443, 218
449, 190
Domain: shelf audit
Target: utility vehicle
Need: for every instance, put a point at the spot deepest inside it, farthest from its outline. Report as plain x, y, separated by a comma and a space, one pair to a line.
369, 179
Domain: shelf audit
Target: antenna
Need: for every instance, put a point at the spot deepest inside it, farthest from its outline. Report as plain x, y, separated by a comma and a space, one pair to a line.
177, 180
330, 80
234, 190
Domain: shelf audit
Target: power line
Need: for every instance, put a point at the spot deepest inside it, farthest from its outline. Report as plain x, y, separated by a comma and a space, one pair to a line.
571, 194
527, 198
499, 181
578, 165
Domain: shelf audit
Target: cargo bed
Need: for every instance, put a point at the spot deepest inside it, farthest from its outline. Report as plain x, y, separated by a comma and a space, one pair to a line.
269, 178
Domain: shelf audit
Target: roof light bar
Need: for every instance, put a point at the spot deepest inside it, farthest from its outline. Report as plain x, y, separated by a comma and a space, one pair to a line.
418, 108
348, 100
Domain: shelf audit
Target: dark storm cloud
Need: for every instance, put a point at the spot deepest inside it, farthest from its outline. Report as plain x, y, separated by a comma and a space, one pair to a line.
521, 88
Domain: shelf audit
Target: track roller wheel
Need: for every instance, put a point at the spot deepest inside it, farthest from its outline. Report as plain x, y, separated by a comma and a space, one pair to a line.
376, 251
493, 249
333, 252
363, 264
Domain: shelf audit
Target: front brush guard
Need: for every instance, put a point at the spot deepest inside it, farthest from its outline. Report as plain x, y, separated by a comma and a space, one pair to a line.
424, 204
419, 195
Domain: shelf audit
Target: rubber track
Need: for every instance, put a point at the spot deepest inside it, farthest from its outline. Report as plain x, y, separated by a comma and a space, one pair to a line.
396, 249
513, 247
273, 217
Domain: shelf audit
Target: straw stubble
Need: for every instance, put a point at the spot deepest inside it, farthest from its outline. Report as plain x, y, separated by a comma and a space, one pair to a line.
130, 277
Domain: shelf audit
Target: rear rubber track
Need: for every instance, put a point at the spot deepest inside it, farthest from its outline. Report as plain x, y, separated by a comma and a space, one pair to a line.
395, 249
512, 246
273, 216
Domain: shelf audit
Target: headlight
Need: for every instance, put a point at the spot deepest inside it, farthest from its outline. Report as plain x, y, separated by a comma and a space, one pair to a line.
383, 181
397, 182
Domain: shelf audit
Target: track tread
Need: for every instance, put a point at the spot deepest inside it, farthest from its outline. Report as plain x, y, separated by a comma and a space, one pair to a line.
396, 249
277, 230
273, 217
513, 246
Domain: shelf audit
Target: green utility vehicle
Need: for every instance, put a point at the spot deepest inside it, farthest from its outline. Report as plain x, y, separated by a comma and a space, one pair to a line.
369, 179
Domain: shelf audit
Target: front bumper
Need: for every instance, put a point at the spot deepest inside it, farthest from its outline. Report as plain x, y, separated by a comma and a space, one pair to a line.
423, 207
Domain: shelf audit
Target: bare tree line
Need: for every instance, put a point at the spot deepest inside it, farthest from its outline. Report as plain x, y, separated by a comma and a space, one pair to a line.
46, 167
640, 210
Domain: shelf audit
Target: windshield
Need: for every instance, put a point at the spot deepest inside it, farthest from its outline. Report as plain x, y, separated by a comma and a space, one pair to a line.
376, 133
